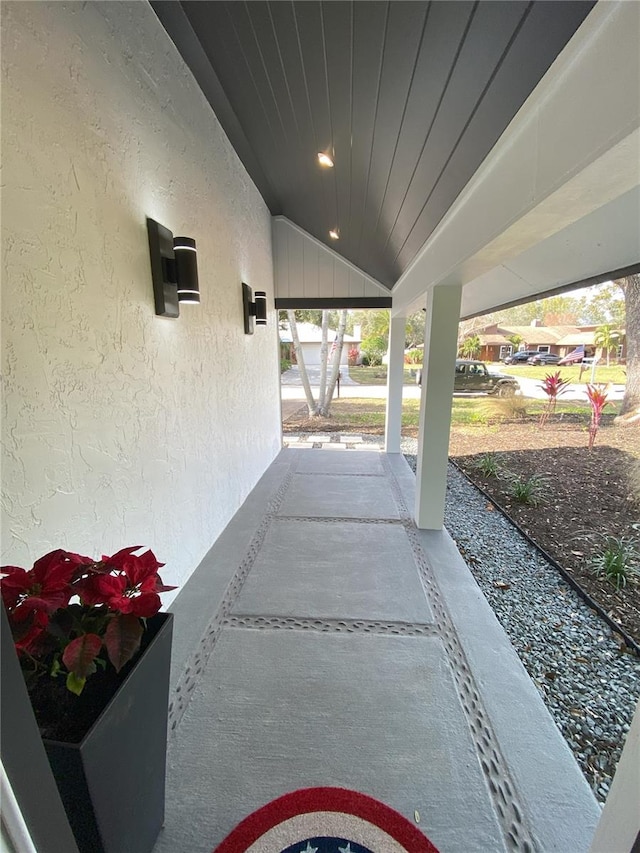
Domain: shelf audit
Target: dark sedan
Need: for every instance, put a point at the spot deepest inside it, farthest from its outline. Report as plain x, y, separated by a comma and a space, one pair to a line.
520, 357
543, 358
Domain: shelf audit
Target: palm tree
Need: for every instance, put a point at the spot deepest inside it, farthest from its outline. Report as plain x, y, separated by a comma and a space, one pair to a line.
470, 347
607, 337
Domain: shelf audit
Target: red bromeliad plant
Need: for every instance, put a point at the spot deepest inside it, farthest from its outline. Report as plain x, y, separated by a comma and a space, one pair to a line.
70, 614
597, 395
553, 386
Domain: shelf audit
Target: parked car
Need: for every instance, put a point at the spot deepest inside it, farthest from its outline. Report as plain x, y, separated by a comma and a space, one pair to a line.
520, 357
544, 358
473, 376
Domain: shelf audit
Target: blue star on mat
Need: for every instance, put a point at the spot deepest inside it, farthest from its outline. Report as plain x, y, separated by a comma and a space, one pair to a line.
326, 844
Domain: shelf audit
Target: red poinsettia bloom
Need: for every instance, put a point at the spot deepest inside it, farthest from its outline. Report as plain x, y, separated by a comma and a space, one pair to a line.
34, 630
44, 588
134, 589
51, 630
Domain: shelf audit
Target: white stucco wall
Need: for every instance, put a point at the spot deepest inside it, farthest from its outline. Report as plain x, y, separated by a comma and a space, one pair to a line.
120, 427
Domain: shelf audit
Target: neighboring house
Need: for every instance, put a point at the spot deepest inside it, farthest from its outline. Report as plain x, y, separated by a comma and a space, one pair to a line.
559, 340
311, 340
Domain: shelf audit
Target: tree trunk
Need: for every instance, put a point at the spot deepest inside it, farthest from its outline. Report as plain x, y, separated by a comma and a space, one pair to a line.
324, 349
335, 365
630, 410
311, 403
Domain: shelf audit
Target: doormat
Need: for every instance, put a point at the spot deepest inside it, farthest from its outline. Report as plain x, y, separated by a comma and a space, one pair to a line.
325, 820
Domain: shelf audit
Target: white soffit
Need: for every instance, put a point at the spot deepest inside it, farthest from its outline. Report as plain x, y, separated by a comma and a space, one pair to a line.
572, 149
304, 268
607, 239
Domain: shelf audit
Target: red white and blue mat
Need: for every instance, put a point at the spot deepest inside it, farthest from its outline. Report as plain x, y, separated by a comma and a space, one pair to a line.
326, 820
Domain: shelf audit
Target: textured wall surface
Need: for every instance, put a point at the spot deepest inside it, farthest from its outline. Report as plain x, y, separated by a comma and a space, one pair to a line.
120, 427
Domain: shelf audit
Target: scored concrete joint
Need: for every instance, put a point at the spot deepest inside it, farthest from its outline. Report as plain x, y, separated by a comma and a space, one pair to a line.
351, 649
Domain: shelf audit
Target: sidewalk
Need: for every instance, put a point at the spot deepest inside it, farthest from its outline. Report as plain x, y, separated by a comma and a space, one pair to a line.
324, 640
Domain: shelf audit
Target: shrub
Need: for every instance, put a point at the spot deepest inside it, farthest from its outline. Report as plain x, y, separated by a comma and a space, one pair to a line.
531, 491
285, 364
598, 399
489, 465
414, 356
553, 386
618, 559
353, 356
506, 408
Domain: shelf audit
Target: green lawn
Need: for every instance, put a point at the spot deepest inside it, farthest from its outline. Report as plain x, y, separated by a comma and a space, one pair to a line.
377, 375
480, 410
358, 414
615, 373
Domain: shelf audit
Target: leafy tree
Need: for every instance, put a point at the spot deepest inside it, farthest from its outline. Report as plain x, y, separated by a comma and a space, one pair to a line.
374, 322
608, 338
414, 332
630, 286
374, 347
329, 362
553, 311
603, 305
516, 340
470, 347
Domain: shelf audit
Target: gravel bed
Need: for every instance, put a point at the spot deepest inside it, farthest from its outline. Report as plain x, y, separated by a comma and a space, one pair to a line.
589, 686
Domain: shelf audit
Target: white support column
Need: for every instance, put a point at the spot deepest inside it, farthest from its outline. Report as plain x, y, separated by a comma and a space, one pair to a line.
440, 345
395, 378
619, 828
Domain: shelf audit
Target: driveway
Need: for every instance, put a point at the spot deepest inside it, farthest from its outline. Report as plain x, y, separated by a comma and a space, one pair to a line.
291, 386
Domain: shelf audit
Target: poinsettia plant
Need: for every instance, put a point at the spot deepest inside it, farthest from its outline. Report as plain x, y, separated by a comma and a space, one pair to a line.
71, 614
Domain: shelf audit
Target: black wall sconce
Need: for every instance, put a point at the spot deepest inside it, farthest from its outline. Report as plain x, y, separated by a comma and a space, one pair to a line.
253, 309
174, 270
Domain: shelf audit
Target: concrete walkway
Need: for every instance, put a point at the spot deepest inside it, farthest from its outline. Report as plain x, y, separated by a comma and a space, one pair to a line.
326, 641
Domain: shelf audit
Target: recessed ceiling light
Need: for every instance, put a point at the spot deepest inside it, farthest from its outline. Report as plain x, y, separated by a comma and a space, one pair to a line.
334, 234
325, 160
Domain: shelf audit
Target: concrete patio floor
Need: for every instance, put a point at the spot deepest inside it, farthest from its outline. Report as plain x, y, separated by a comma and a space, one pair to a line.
325, 641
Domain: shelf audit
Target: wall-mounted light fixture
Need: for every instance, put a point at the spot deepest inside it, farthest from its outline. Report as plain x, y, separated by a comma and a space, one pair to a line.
253, 309
174, 270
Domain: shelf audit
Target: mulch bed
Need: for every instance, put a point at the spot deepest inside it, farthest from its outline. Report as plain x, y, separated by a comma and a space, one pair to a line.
589, 495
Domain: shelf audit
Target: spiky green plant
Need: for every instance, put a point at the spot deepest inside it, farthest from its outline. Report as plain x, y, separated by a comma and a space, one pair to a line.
618, 559
529, 491
489, 465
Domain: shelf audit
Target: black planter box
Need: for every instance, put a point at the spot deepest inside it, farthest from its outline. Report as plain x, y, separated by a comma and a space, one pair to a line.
112, 783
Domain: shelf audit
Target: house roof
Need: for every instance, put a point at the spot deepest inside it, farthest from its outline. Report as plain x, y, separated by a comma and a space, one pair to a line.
539, 334
535, 335
577, 338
